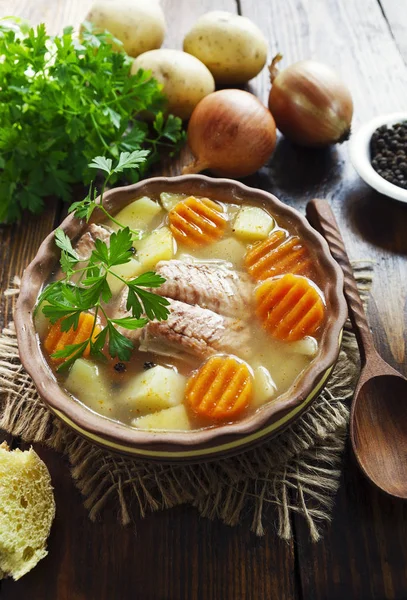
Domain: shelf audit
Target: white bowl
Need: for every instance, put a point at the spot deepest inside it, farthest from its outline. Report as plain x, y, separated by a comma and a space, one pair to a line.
360, 156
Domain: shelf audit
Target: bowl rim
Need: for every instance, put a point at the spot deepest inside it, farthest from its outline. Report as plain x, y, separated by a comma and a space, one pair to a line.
61, 402
359, 150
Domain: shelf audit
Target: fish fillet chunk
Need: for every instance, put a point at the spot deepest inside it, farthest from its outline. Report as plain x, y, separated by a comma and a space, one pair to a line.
216, 287
190, 331
86, 243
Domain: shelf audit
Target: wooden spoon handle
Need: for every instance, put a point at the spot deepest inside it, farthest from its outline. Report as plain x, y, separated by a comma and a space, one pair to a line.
321, 217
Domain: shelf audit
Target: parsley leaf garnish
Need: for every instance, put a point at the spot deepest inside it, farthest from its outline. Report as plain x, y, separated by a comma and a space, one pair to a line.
119, 248
129, 160
102, 163
64, 242
69, 258
119, 345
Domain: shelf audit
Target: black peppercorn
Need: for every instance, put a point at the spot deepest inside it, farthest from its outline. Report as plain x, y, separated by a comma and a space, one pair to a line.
148, 365
388, 153
120, 367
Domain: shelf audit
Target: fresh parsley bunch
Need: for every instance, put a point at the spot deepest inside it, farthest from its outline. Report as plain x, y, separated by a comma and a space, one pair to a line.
64, 300
62, 101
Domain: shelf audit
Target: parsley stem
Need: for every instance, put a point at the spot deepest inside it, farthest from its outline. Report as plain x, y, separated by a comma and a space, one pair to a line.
104, 312
79, 271
122, 97
97, 129
97, 306
81, 276
117, 276
157, 141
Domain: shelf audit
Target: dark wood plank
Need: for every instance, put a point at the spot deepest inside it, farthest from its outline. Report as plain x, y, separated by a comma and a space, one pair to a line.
171, 555
364, 552
18, 245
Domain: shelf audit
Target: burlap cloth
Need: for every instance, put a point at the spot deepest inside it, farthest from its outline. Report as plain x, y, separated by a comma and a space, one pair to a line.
297, 471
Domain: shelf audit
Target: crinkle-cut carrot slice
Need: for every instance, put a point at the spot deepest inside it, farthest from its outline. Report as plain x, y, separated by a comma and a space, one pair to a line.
290, 307
221, 389
197, 221
278, 254
57, 340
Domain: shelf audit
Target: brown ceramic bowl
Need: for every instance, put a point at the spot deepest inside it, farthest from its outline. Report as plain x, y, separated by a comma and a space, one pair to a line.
197, 445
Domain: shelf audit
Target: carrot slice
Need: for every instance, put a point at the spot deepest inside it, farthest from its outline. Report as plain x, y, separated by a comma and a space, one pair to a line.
278, 254
290, 307
58, 340
197, 221
221, 389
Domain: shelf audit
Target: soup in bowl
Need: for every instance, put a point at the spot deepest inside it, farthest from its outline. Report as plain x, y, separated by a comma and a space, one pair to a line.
253, 313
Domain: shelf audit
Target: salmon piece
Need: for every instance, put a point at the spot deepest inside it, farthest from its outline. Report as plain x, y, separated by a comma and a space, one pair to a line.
221, 389
57, 340
213, 286
197, 221
290, 307
278, 254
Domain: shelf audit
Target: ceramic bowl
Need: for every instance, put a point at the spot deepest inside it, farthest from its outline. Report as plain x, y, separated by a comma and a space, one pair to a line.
360, 156
203, 444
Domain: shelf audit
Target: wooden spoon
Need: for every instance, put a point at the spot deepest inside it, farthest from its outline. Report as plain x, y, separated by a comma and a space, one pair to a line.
378, 418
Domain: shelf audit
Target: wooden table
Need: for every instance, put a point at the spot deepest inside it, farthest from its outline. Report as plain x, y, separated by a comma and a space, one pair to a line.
176, 555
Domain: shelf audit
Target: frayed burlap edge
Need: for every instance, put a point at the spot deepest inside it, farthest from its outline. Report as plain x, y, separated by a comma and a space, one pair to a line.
296, 472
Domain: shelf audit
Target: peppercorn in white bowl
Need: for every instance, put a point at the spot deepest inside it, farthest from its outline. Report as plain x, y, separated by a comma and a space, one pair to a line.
361, 156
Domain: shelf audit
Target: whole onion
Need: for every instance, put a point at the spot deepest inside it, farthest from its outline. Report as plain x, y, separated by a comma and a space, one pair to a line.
231, 133
310, 103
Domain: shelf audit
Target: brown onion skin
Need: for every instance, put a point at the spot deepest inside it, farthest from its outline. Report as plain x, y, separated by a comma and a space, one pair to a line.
310, 104
231, 133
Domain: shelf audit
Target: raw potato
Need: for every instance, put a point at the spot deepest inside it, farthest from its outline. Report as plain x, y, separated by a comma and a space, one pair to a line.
252, 223
86, 383
138, 24
264, 386
171, 419
156, 389
160, 245
168, 201
128, 271
230, 249
232, 47
137, 215
185, 79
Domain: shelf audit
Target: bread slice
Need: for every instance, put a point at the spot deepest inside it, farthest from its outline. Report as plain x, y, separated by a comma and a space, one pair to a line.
27, 509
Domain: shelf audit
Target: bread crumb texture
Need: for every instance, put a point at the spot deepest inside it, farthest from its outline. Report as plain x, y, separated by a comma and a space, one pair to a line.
27, 509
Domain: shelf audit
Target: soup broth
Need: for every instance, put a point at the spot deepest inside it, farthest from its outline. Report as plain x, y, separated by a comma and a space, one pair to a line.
246, 316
